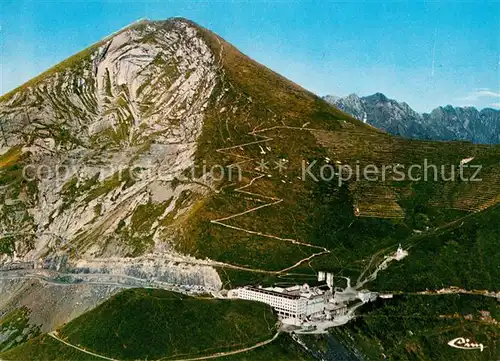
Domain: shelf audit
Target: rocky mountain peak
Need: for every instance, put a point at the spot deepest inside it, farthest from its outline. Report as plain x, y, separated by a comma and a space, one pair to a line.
378, 97
118, 131
134, 101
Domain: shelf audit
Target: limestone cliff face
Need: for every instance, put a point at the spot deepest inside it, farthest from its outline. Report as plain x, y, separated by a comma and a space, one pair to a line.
91, 148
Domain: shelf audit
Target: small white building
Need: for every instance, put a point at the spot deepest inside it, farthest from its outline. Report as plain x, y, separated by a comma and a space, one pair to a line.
400, 253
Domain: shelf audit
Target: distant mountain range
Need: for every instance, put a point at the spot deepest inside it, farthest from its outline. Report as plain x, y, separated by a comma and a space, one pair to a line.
442, 123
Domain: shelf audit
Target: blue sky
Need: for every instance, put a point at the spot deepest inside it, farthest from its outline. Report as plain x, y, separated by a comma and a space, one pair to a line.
426, 54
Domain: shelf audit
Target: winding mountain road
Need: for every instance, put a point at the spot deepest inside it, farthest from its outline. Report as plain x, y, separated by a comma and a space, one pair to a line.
258, 197
53, 334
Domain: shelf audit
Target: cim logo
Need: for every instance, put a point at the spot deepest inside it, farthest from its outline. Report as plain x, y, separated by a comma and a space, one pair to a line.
466, 344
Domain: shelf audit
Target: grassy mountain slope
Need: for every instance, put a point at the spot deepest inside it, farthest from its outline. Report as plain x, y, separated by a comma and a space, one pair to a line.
283, 349
154, 324
322, 213
419, 328
464, 254
45, 348
264, 116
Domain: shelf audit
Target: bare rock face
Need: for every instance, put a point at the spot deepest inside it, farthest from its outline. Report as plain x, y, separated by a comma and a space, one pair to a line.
91, 150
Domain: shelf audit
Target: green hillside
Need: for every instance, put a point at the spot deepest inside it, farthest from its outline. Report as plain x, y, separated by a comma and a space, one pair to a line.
414, 328
464, 254
45, 348
264, 116
154, 324
283, 349
322, 214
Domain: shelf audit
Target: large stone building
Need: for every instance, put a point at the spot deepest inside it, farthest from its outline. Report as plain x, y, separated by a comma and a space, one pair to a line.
299, 302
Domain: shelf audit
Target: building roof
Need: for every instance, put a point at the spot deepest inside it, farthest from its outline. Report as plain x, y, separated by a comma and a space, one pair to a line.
273, 293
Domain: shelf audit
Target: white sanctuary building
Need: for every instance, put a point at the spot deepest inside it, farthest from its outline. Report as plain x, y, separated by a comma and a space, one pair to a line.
297, 302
